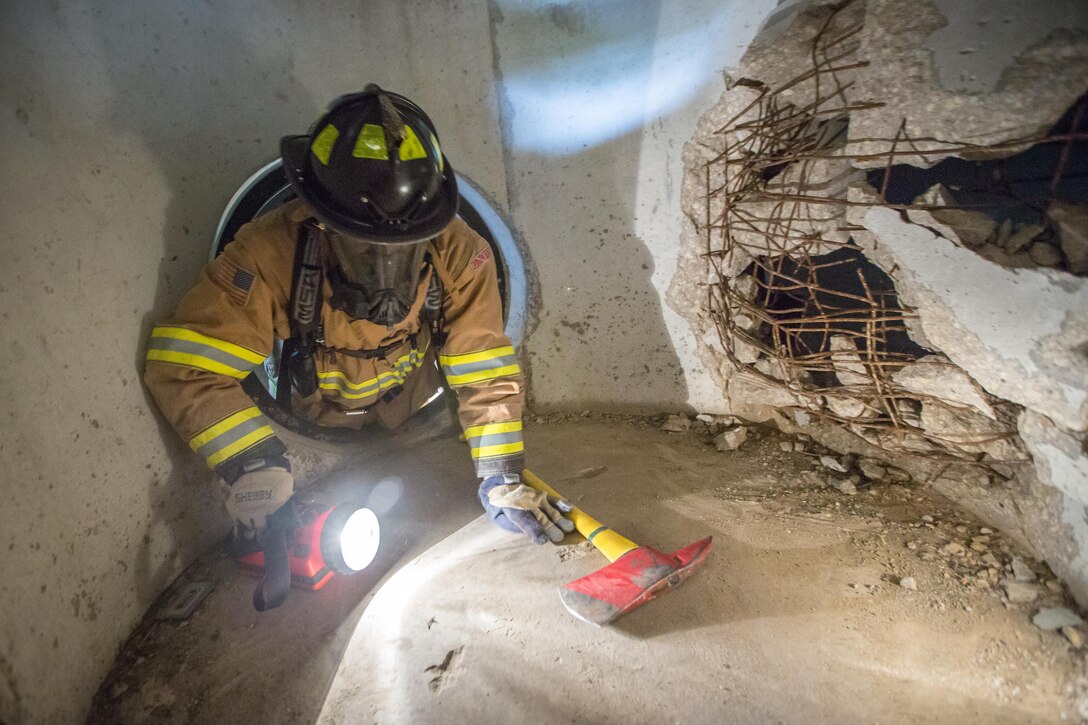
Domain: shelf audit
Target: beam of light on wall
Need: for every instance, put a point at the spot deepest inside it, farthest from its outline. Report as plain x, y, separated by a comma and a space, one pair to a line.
617, 75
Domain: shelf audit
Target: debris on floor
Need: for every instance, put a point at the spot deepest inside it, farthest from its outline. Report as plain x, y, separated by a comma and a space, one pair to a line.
900, 597
895, 590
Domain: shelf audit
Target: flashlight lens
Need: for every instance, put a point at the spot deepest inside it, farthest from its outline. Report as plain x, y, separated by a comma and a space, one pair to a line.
359, 539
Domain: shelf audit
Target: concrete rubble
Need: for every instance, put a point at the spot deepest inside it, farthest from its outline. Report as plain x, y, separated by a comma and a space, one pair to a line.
999, 304
1071, 221
731, 439
1054, 618
935, 376
676, 424
1033, 86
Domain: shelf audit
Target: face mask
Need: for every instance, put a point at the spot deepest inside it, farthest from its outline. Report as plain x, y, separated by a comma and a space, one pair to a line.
376, 282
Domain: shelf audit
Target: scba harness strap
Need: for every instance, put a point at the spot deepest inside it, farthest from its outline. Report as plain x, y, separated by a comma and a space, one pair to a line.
297, 356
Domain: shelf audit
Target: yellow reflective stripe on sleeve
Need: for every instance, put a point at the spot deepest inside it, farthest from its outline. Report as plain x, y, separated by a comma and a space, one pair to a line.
371, 143
323, 143
501, 450
181, 333
482, 375
223, 426
475, 431
489, 440
179, 346
247, 441
475, 367
194, 361
472, 357
411, 147
232, 435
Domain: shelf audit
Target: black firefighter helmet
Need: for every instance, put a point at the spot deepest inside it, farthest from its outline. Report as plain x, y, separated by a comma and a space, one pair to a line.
372, 168
374, 173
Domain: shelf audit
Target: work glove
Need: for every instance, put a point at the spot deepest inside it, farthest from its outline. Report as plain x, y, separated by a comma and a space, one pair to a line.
513, 506
256, 495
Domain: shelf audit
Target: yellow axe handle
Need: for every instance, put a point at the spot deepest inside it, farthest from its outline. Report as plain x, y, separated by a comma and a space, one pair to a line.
607, 541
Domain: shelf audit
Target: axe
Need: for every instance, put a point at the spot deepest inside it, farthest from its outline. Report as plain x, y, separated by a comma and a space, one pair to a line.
636, 575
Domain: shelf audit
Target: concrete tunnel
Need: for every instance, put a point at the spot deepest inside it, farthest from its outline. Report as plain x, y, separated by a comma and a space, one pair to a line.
805, 276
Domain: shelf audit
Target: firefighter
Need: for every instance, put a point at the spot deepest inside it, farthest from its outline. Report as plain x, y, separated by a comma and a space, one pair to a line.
364, 276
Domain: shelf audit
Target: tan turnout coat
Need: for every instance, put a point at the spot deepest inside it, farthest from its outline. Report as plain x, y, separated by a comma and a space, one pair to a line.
228, 323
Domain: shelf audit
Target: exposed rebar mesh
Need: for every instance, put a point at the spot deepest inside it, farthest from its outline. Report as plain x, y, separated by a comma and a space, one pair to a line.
795, 301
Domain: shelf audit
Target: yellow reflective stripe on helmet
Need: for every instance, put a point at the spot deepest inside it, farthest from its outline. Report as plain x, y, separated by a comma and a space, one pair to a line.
411, 147
232, 435
371, 143
438, 153
180, 346
323, 143
494, 451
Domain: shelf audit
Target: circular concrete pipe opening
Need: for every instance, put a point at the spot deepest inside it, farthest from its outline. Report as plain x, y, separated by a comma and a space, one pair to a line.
268, 188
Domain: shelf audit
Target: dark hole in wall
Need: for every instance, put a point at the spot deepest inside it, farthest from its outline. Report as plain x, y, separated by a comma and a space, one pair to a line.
1010, 186
824, 295
1015, 191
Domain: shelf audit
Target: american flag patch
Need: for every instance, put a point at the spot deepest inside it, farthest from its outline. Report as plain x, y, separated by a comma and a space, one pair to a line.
243, 280
236, 281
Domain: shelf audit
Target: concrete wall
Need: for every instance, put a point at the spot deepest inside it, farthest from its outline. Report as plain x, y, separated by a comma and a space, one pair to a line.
124, 128
598, 100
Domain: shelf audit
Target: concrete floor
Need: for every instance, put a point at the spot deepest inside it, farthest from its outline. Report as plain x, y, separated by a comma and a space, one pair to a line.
796, 617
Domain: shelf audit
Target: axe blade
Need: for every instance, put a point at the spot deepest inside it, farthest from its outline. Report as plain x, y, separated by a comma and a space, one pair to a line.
633, 579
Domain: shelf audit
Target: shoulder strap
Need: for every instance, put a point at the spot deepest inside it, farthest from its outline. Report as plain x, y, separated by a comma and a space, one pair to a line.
305, 319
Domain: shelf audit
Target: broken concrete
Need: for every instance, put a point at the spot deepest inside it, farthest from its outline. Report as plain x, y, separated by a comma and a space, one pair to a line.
1060, 462
1007, 334
1034, 84
731, 439
1071, 221
934, 376
972, 228
1054, 618
976, 313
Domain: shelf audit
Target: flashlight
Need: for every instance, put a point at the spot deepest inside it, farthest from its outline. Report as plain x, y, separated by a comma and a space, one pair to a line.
329, 540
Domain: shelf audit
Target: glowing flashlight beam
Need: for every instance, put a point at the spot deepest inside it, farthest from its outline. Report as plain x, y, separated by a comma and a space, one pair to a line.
359, 539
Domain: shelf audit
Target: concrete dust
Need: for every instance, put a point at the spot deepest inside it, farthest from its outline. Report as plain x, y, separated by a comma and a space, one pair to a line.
228, 663
815, 606
890, 605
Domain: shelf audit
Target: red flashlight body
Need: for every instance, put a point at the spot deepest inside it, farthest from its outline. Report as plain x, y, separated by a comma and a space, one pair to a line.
309, 570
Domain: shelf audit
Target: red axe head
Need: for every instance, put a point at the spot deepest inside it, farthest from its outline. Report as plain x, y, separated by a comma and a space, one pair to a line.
633, 579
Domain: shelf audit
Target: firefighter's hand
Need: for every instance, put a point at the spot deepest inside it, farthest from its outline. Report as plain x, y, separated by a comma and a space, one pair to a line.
519, 508
257, 495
